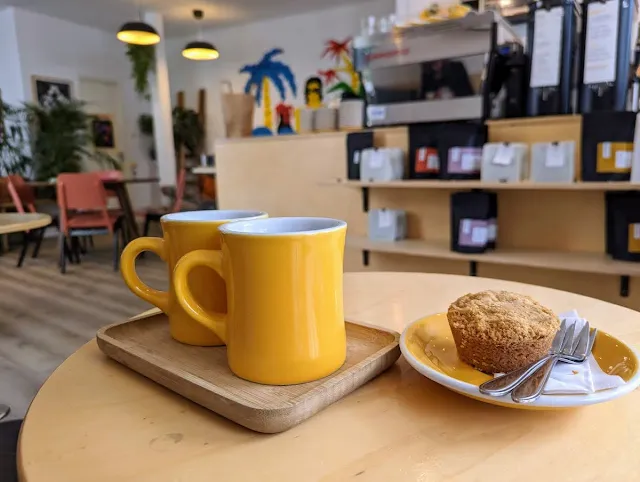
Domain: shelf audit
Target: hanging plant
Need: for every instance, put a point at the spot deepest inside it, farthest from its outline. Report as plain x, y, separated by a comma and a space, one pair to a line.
143, 60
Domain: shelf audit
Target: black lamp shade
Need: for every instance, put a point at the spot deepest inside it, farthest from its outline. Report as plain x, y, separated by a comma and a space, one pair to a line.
200, 50
138, 33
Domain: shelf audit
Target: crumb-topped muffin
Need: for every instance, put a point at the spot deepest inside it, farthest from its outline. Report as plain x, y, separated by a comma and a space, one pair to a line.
500, 331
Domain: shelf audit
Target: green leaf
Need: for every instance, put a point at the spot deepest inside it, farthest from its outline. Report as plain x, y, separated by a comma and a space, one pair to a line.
340, 87
143, 61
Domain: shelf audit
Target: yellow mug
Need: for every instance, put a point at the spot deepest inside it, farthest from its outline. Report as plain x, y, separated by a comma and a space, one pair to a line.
182, 233
285, 319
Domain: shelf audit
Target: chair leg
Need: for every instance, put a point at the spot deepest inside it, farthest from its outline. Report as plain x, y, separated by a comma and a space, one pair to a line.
83, 245
75, 249
147, 222
64, 251
116, 250
25, 246
91, 241
67, 251
145, 232
36, 250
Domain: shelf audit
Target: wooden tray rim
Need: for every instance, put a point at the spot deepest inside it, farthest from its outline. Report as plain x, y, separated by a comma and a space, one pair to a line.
103, 338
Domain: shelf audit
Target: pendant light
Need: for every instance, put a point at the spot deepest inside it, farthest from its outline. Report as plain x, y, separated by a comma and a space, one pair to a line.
138, 33
199, 49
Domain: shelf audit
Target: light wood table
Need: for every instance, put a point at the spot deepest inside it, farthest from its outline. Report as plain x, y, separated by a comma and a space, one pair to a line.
17, 222
97, 420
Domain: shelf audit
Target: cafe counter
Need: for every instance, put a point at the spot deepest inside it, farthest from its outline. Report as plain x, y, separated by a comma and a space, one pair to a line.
549, 235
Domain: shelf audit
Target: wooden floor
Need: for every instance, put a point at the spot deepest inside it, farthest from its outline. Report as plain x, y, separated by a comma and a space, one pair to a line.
45, 316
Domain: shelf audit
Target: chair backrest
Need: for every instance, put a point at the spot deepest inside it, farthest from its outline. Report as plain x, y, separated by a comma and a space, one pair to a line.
182, 180
110, 175
81, 192
21, 194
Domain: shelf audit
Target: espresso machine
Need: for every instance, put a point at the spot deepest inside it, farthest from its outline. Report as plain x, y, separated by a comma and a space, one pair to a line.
471, 68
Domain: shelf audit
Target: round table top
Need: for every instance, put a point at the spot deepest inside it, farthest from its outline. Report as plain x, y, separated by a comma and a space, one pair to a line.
16, 222
97, 420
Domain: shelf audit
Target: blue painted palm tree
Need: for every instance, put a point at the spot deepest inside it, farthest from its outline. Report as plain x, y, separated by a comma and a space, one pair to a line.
261, 75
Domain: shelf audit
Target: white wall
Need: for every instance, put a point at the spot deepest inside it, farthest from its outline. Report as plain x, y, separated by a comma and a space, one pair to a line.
302, 38
51, 47
10, 72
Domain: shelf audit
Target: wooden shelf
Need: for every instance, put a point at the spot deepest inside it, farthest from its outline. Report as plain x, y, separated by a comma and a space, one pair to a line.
559, 260
524, 186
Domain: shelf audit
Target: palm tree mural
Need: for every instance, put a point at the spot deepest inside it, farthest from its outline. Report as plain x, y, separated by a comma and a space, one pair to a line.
261, 76
339, 52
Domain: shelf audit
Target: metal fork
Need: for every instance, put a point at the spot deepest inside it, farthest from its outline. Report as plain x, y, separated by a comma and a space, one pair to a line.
504, 384
574, 349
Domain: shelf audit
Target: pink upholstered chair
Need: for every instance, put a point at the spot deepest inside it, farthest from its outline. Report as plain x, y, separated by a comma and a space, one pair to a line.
82, 200
23, 196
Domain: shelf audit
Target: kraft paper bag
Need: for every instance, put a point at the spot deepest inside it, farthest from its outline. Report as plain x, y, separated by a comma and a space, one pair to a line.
237, 111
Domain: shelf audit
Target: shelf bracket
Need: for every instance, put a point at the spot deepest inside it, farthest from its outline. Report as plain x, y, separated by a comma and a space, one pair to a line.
624, 286
365, 199
365, 257
473, 268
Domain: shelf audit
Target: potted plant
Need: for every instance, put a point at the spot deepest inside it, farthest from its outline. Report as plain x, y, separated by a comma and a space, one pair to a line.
61, 139
351, 110
13, 141
187, 131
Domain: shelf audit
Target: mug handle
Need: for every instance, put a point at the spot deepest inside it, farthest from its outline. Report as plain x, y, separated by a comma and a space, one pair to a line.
128, 269
216, 322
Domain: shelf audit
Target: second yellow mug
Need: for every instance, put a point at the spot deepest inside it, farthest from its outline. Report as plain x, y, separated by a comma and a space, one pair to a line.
182, 233
285, 318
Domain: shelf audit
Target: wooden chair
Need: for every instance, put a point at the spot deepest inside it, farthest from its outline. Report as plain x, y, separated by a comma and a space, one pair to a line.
23, 195
82, 200
153, 215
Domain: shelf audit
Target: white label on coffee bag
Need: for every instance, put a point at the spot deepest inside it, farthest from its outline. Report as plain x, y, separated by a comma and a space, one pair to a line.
454, 153
504, 155
492, 233
377, 157
466, 226
470, 161
376, 112
433, 162
479, 235
555, 156
623, 159
385, 219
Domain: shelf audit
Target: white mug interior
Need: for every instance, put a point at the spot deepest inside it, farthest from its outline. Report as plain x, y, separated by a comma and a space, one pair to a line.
212, 215
283, 226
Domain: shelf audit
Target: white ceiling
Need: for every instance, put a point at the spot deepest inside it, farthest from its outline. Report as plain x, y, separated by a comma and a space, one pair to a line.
111, 14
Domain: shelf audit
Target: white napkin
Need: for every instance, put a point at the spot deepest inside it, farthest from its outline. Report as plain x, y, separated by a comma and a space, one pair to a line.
583, 378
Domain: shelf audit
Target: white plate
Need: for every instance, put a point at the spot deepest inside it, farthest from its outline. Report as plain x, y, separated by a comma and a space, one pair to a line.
427, 344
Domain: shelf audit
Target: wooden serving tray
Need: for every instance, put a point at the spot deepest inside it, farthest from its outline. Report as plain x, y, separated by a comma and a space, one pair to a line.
202, 375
